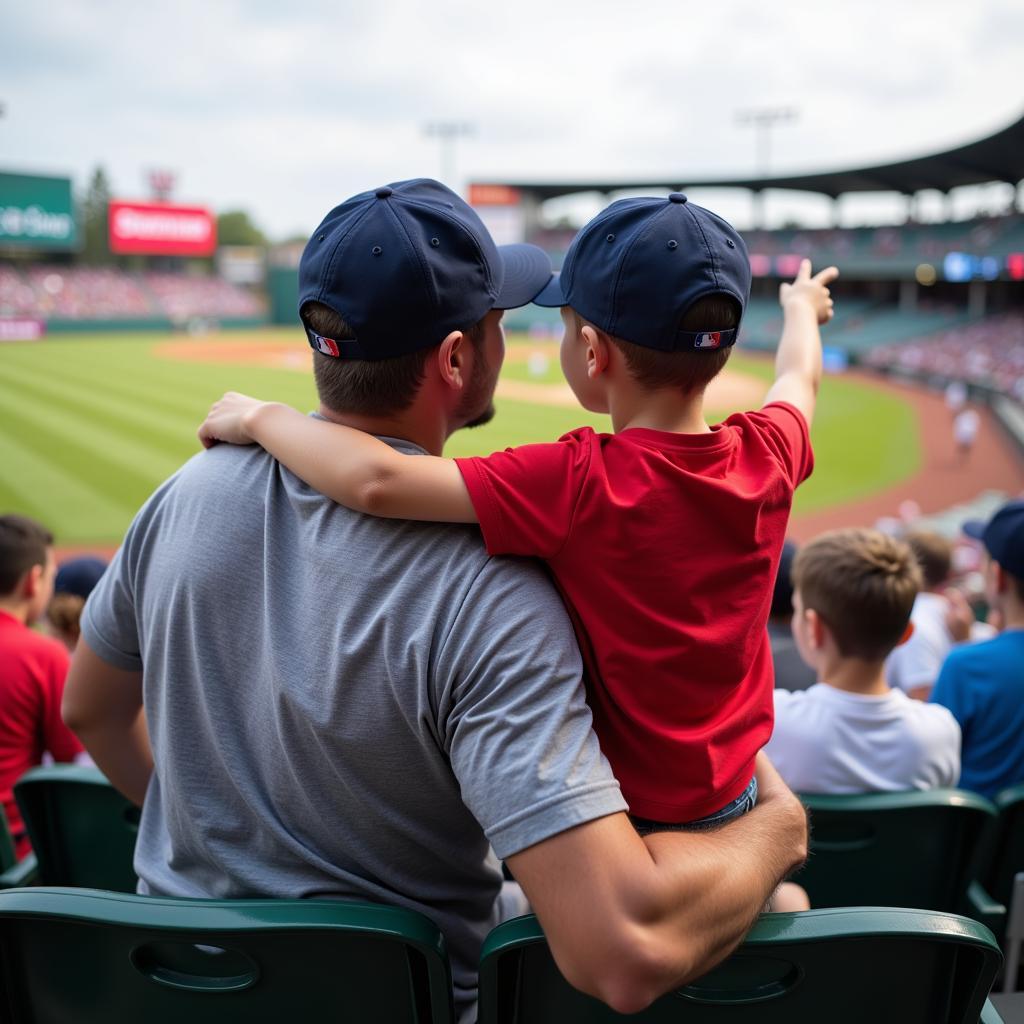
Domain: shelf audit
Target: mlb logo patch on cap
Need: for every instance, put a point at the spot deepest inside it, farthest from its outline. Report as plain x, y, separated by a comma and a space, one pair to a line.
328, 346
708, 339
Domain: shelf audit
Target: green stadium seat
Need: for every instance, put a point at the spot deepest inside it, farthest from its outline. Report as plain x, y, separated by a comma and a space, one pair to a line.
912, 849
12, 872
843, 966
93, 957
82, 829
997, 896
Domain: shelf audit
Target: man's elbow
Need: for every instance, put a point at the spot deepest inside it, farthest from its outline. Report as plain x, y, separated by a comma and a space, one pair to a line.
631, 975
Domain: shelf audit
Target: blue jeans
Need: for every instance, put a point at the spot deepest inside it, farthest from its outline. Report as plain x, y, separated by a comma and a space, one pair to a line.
741, 805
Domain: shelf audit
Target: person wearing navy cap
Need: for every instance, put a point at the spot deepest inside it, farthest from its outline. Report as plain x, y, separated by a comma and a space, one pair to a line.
344, 706
983, 683
665, 537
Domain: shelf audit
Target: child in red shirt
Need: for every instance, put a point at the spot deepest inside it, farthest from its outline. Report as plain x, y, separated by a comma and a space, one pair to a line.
664, 537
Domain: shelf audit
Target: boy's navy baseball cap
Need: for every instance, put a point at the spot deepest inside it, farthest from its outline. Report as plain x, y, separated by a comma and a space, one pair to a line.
1003, 536
407, 264
636, 268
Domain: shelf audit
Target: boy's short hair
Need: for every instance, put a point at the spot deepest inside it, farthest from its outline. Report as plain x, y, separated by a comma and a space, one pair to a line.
381, 387
687, 370
934, 553
23, 544
862, 584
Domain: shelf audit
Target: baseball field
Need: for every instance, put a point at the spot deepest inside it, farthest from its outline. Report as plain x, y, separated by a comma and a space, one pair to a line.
90, 424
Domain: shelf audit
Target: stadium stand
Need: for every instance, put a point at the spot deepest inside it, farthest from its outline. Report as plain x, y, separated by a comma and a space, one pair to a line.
54, 292
988, 353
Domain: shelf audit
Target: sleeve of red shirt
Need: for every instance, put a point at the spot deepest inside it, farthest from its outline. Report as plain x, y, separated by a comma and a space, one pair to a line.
525, 497
58, 739
785, 431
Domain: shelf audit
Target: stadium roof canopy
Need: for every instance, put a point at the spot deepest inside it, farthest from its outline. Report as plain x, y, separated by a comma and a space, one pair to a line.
1000, 157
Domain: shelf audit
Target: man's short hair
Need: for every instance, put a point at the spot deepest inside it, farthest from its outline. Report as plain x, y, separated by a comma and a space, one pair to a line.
934, 553
862, 584
689, 371
23, 544
382, 387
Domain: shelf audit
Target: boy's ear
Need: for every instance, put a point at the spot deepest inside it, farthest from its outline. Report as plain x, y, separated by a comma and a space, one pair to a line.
816, 626
451, 360
597, 345
28, 585
907, 634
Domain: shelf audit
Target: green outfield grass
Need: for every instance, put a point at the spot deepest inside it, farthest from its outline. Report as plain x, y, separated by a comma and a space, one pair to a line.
90, 425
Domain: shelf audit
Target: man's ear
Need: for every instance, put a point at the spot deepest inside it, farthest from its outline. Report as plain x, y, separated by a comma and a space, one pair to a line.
451, 360
907, 634
598, 353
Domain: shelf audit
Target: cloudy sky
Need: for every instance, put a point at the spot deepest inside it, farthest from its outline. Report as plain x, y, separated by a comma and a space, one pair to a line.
284, 109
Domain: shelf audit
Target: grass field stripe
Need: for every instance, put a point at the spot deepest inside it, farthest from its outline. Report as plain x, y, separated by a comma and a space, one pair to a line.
81, 513
112, 427
104, 458
174, 435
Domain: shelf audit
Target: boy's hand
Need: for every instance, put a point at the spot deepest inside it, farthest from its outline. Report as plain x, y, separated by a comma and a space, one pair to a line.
811, 290
226, 420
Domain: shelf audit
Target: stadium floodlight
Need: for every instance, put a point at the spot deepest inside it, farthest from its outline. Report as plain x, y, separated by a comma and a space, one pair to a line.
764, 119
448, 133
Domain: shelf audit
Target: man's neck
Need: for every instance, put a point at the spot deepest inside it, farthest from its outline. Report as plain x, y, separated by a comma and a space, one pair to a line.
428, 432
16, 609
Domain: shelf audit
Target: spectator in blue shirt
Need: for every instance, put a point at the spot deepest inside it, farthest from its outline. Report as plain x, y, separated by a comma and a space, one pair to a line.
983, 684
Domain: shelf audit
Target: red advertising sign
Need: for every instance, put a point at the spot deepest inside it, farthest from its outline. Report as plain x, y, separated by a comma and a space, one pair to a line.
493, 195
161, 229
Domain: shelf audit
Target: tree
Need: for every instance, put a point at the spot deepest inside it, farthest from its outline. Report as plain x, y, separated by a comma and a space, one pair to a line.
95, 240
235, 228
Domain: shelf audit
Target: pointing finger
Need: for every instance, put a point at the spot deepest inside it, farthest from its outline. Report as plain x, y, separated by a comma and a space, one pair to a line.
826, 276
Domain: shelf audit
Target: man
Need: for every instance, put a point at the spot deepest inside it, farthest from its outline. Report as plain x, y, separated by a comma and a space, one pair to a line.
983, 683
353, 707
33, 667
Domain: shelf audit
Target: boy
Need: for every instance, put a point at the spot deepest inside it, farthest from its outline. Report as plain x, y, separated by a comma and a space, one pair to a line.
664, 537
33, 667
851, 733
983, 684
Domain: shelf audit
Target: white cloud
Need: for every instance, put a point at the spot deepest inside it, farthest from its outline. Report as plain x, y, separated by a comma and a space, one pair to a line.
286, 109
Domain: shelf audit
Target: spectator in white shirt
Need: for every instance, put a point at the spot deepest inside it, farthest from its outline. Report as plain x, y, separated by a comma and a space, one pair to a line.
851, 733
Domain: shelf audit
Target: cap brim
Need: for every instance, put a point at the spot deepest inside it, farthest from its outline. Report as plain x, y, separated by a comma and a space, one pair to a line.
974, 528
552, 295
527, 271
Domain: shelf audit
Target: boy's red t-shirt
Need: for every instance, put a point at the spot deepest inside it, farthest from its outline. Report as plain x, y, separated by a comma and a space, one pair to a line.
665, 547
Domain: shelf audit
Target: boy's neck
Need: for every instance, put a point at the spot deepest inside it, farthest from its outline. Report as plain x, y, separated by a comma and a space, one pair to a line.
15, 608
666, 409
855, 676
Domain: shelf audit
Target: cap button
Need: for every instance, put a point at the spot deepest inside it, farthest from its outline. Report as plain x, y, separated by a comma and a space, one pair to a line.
677, 197
383, 193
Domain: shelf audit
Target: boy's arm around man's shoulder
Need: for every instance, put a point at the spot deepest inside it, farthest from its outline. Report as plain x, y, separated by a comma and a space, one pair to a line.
806, 305
629, 918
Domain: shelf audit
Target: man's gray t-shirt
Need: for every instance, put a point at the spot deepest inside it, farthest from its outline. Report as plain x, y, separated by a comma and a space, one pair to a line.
340, 705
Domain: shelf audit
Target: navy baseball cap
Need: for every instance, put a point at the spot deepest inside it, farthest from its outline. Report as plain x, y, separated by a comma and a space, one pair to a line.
637, 267
1003, 536
405, 265
79, 575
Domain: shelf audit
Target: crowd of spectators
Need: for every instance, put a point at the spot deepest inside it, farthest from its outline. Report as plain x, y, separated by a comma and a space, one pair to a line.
989, 353
54, 291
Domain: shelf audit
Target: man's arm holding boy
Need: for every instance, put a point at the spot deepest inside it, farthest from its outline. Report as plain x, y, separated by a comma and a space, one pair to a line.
806, 305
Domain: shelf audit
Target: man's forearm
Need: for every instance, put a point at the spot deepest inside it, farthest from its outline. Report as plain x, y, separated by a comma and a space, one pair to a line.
727, 877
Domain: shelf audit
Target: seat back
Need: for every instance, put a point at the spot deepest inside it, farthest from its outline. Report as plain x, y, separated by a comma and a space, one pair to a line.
82, 829
893, 849
94, 957
844, 966
7, 857
1005, 850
